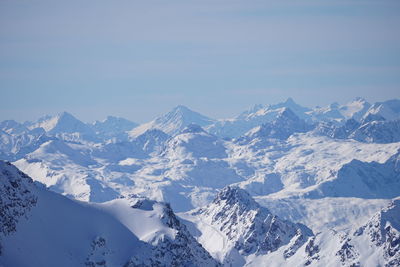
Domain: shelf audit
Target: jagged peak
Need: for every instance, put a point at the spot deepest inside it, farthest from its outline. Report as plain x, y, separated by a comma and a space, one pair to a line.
382, 222
233, 194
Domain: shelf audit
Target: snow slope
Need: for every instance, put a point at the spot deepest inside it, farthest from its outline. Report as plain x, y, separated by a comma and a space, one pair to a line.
42, 228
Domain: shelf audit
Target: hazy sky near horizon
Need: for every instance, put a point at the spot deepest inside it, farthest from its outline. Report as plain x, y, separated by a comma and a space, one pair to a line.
138, 59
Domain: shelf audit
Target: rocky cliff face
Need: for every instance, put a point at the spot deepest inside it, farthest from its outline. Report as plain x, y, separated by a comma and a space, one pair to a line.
383, 230
250, 228
16, 197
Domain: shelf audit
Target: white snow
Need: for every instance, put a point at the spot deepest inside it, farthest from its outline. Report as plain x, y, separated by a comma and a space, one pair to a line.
183, 158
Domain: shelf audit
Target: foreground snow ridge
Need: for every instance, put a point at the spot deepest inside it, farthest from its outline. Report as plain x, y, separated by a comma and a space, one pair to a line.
42, 228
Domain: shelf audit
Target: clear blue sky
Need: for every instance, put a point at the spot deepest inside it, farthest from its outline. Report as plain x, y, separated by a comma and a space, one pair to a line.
138, 59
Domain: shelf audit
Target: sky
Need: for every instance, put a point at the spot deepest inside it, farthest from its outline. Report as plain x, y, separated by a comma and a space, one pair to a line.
139, 59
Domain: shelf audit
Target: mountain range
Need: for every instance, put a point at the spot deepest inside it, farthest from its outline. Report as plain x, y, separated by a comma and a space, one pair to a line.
277, 185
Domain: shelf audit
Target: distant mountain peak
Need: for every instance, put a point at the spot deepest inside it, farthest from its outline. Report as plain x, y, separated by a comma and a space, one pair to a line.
284, 125
62, 121
174, 121
184, 113
113, 126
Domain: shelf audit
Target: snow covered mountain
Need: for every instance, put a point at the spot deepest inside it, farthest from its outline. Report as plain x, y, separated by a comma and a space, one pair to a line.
65, 126
234, 227
378, 132
320, 170
255, 116
195, 141
363, 180
372, 129
191, 166
284, 125
359, 109
187, 170
17, 140
152, 141
389, 110
12, 127
375, 243
113, 127
174, 121
42, 228
337, 114
239, 232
